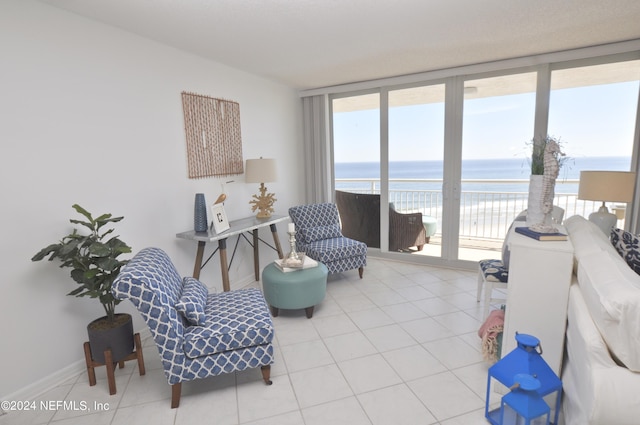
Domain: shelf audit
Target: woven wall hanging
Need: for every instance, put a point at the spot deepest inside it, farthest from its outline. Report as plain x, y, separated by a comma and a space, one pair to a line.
214, 142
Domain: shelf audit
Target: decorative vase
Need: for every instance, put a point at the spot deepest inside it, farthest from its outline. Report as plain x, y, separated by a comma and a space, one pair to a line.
535, 212
200, 223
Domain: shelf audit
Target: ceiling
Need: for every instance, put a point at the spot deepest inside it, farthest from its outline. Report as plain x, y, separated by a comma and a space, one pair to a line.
317, 43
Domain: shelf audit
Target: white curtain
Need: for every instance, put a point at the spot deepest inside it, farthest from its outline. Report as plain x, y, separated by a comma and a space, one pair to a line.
317, 149
632, 219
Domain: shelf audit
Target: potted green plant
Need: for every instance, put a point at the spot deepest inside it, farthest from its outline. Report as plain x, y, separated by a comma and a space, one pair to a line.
93, 258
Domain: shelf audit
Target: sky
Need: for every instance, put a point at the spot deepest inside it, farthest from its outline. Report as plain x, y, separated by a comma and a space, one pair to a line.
590, 121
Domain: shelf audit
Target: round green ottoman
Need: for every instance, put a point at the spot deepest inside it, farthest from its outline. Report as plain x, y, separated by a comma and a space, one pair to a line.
430, 225
293, 290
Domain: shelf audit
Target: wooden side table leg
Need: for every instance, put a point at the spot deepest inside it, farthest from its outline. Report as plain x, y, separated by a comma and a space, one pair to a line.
198, 264
224, 268
109, 364
139, 356
276, 240
256, 255
90, 369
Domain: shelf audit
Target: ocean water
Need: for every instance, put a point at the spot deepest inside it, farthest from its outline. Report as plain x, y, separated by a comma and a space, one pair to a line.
500, 169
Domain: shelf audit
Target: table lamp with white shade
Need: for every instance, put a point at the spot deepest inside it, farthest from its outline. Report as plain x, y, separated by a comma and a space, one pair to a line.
261, 171
606, 186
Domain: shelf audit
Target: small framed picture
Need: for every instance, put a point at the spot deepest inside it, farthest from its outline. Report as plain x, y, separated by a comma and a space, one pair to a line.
219, 218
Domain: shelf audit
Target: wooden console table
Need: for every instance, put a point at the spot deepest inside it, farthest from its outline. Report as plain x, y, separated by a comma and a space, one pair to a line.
237, 228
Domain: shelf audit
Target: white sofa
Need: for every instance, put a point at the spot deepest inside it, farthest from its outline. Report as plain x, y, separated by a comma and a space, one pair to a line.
601, 372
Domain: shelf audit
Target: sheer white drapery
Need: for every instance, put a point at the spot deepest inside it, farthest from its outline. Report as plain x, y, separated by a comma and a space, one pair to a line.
632, 222
318, 175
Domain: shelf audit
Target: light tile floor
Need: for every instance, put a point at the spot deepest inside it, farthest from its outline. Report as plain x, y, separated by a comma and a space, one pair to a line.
398, 347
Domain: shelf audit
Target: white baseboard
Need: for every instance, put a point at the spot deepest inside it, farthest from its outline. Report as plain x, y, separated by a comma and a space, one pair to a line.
248, 281
36, 389
33, 391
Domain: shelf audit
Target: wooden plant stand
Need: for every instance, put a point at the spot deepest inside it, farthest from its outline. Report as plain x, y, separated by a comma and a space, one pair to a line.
91, 364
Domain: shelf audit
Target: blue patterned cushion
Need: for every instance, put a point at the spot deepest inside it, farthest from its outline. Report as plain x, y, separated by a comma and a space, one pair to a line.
235, 319
334, 249
628, 246
337, 253
318, 233
313, 215
192, 302
494, 271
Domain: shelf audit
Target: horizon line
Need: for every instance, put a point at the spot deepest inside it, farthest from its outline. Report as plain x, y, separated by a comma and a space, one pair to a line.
475, 159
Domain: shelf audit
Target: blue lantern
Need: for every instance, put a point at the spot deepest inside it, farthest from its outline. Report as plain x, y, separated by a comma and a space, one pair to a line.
527, 359
523, 405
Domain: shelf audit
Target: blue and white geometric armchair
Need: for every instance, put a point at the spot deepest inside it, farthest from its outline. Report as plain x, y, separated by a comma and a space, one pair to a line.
318, 235
197, 334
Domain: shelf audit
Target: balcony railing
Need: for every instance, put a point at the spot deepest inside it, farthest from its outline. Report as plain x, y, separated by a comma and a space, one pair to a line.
483, 214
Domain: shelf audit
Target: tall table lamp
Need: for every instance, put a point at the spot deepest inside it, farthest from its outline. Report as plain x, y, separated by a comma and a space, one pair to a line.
262, 171
606, 186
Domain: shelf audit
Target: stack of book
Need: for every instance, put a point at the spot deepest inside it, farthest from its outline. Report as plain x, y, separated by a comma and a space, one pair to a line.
555, 236
306, 263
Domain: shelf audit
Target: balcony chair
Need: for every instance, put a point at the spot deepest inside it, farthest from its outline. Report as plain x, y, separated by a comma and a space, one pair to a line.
360, 217
318, 235
406, 230
197, 334
494, 273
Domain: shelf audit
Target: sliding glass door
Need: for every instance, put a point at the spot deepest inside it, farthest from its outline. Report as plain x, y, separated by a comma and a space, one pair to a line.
356, 153
416, 159
498, 126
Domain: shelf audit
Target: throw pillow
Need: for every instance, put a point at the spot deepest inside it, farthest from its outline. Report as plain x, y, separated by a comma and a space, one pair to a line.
193, 300
318, 233
628, 246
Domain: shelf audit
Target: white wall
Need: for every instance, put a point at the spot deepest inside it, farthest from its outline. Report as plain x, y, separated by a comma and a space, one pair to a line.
90, 114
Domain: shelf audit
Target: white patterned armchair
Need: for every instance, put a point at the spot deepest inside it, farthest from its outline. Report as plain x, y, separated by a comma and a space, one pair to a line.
318, 234
197, 334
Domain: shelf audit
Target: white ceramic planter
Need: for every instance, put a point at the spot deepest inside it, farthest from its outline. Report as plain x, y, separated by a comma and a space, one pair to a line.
535, 213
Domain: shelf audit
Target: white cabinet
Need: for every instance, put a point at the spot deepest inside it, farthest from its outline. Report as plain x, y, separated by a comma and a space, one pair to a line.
539, 280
